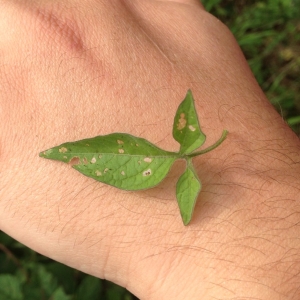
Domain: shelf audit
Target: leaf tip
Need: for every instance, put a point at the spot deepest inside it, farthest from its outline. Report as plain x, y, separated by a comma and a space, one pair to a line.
186, 220
189, 92
45, 153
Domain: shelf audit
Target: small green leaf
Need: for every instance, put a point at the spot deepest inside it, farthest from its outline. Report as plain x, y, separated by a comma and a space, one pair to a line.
46, 280
59, 294
90, 288
118, 159
186, 128
187, 190
10, 287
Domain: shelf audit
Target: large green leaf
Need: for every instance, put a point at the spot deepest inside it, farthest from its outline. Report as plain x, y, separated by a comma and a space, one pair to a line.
187, 190
90, 289
132, 163
10, 287
119, 159
186, 128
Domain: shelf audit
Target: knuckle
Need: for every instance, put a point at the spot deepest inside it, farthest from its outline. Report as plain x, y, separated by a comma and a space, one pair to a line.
35, 27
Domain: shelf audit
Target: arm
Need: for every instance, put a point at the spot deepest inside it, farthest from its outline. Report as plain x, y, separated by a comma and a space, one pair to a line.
71, 71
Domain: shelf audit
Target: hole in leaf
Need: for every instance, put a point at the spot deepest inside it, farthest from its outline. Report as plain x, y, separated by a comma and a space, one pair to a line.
74, 161
181, 122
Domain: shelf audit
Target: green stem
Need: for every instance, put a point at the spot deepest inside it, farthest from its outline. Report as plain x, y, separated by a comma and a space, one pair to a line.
215, 145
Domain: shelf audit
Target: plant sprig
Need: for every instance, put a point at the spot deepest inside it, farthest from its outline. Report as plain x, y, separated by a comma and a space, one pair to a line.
133, 163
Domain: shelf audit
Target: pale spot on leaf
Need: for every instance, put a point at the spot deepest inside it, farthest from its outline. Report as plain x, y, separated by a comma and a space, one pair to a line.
121, 151
105, 170
93, 160
147, 159
147, 172
98, 173
123, 173
63, 150
100, 156
192, 128
48, 152
120, 142
181, 122
84, 160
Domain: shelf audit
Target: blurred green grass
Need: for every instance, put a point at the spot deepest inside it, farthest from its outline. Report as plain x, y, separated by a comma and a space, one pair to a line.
27, 275
269, 35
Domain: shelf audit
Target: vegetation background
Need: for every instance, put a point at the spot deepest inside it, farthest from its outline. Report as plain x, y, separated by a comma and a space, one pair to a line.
269, 34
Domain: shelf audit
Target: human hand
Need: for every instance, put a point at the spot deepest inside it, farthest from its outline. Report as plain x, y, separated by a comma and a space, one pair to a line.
72, 70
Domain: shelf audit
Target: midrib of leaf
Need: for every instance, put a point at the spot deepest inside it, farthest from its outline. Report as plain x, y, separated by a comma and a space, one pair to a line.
176, 155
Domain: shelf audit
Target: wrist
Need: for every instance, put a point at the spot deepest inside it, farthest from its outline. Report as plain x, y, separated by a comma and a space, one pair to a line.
239, 245
243, 239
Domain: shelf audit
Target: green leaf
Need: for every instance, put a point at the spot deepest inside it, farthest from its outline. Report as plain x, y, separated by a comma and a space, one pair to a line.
90, 289
114, 292
132, 163
10, 287
186, 128
63, 274
47, 281
59, 294
118, 159
187, 190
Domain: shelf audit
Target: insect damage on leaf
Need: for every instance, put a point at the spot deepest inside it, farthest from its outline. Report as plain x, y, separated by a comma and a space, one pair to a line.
186, 128
133, 163
181, 122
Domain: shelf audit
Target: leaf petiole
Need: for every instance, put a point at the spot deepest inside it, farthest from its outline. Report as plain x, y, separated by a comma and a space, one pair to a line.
215, 145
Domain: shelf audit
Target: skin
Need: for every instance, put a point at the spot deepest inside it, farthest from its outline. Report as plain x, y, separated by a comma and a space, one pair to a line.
76, 69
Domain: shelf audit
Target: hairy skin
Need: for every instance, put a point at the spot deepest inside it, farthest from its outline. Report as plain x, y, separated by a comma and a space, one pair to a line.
76, 69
